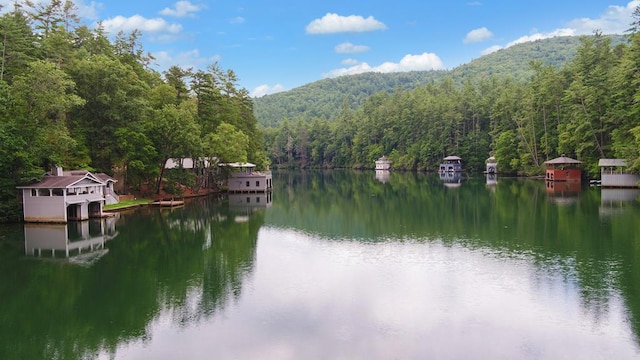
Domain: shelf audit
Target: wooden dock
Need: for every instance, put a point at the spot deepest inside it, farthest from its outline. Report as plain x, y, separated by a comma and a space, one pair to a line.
167, 203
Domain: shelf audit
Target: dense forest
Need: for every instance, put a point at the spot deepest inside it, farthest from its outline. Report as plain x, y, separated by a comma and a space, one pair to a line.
72, 96
587, 108
323, 98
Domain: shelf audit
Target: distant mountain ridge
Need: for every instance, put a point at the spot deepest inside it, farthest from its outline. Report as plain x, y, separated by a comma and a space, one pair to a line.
324, 98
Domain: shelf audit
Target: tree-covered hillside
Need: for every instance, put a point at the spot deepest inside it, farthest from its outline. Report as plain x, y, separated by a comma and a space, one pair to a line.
586, 108
515, 61
323, 99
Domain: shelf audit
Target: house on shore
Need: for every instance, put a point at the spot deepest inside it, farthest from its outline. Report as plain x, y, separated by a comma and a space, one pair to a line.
383, 163
64, 196
563, 168
244, 179
491, 165
451, 164
613, 174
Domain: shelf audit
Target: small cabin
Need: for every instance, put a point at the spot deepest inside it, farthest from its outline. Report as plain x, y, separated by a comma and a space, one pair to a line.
492, 165
63, 196
563, 168
451, 164
383, 163
613, 174
244, 179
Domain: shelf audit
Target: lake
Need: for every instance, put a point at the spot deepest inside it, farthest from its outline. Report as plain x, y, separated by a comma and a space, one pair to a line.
335, 265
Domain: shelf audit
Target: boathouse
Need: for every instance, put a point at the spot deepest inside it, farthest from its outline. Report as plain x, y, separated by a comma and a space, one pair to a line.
613, 174
64, 196
451, 164
383, 163
244, 178
563, 168
492, 165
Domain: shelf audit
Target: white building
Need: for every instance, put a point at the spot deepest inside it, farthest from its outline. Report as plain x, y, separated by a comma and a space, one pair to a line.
64, 196
383, 163
244, 178
612, 174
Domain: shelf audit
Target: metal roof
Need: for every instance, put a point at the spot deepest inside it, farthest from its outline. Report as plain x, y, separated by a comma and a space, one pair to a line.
563, 160
61, 182
612, 162
452, 157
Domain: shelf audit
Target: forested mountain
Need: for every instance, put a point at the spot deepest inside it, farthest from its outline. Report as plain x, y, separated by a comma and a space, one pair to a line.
324, 98
523, 112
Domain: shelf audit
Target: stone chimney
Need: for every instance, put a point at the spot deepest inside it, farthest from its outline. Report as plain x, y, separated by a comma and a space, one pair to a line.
56, 171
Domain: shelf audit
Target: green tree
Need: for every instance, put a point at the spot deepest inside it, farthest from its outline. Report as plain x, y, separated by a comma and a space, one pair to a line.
174, 134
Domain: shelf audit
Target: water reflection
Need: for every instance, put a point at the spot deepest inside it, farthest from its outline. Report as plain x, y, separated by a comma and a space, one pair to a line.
181, 266
563, 192
81, 242
515, 218
340, 265
492, 180
383, 176
451, 179
615, 201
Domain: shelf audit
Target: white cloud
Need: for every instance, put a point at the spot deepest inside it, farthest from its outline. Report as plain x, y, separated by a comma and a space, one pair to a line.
334, 23
424, 61
615, 20
490, 49
529, 38
137, 22
181, 9
540, 36
263, 90
237, 20
349, 48
478, 35
186, 59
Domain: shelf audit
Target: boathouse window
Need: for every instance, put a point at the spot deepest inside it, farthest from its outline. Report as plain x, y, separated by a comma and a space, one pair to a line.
257, 199
44, 192
57, 192
257, 183
248, 184
34, 192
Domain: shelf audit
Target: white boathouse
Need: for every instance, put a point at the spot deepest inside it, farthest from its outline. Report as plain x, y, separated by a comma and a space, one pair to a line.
613, 174
244, 179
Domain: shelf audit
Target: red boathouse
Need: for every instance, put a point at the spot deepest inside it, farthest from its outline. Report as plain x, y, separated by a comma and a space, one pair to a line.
563, 169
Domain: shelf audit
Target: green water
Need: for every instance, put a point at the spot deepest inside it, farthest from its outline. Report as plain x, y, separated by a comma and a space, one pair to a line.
338, 265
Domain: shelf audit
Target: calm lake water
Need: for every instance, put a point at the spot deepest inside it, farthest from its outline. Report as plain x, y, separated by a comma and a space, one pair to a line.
335, 265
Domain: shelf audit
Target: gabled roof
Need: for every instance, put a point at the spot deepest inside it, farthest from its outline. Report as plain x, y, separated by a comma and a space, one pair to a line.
453, 157
562, 160
64, 181
612, 162
100, 176
105, 178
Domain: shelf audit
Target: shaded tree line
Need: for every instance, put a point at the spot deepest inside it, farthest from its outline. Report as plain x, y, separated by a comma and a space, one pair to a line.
587, 109
71, 96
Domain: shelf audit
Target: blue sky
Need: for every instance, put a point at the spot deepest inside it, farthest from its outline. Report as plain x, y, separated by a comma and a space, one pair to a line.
282, 44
